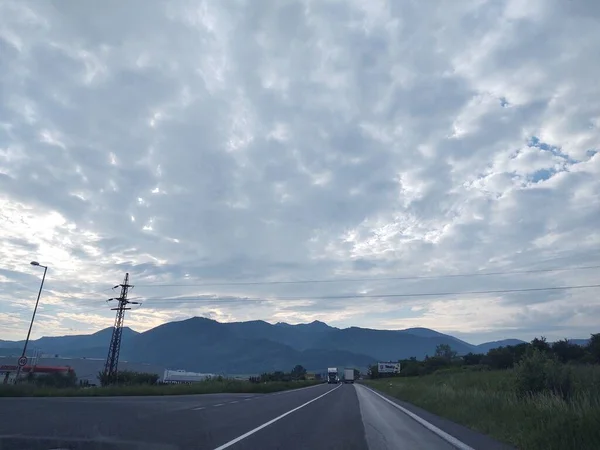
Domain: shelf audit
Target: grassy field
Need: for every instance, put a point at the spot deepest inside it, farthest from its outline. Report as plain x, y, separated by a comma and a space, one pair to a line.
488, 402
203, 387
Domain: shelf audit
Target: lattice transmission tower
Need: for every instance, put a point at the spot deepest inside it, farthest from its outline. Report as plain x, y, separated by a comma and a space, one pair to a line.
112, 360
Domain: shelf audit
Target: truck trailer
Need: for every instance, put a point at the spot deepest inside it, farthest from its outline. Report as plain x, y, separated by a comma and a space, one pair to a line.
348, 375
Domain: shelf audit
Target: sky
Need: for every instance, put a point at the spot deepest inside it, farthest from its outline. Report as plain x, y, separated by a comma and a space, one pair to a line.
214, 149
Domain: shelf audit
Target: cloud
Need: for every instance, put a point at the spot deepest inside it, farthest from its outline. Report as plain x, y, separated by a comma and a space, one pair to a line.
199, 142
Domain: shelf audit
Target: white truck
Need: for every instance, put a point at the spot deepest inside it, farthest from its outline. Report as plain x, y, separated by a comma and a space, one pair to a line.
348, 375
332, 375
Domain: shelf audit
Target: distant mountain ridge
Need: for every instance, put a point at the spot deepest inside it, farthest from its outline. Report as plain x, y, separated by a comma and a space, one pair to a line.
487, 346
205, 345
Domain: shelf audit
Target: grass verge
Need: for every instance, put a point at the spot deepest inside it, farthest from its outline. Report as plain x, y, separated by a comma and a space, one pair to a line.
203, 387
488, 402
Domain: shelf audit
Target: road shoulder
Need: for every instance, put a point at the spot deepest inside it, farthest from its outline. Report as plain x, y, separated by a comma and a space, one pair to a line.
470, 437
388, 428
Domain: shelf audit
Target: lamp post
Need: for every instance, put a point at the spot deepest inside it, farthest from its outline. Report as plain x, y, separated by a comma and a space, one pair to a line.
33, 263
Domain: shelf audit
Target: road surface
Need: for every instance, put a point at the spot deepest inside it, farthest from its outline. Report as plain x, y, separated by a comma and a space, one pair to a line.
344, 417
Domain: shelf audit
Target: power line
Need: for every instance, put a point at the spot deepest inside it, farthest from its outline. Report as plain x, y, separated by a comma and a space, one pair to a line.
421, 277
355, 296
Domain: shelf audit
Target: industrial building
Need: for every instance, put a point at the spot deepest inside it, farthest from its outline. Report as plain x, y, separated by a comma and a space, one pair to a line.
8, 371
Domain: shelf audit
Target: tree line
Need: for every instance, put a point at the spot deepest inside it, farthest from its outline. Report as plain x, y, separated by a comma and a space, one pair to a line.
52, 380
505, 357
296, 374
128, 378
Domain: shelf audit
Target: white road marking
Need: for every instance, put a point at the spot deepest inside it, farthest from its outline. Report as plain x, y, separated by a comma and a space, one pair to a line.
199, 408
296, 390
233, 402
218, 404
266, 424
445, 436
246, 399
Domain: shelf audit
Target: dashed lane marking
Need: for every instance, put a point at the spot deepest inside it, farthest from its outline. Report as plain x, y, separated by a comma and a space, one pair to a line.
266, 424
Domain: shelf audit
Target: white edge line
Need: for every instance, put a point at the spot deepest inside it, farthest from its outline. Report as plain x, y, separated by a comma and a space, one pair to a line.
266, 424
199, 408
218, 404
445, 436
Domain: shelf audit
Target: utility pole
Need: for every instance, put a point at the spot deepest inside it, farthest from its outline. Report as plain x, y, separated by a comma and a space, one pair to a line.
112, 361
23, 358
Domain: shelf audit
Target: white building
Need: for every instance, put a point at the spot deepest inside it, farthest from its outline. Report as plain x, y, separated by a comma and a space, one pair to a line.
182, 376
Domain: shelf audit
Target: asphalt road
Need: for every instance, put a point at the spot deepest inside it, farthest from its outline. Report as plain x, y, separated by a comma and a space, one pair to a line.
348, 417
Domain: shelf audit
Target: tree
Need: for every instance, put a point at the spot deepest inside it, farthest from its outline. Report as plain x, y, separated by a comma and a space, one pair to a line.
373, 371
473, 359
519, 351
444, 351
593, 347
57, 380
541, 344
436, 363
567, 351
127, 377
540, 371
298, 372
410, 368
500, 358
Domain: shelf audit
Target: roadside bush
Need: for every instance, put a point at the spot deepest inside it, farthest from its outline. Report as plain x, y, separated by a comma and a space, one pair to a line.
538, 372
473, 359
55, 380
593, 348
499, 358
566, 351
478, 368
411, 369
128, 378
436, 363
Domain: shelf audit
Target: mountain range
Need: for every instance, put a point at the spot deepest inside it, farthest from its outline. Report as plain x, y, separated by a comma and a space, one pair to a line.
205, 345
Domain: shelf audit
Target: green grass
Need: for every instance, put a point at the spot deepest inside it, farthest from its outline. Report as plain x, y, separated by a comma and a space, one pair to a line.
487, 402
203, 387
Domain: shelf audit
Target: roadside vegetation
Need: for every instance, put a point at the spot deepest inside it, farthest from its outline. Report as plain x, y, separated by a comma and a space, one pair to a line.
138, 383
534, 395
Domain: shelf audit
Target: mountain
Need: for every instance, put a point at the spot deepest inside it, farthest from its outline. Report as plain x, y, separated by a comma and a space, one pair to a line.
582, 342
428, 333
205, 345
72, 345
387, 345
487, 346
11, 351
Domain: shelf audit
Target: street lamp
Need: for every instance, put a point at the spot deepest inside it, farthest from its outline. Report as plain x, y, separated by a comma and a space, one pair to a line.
33, 263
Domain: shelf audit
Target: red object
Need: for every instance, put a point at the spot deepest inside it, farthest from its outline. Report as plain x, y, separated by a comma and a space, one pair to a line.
37, 369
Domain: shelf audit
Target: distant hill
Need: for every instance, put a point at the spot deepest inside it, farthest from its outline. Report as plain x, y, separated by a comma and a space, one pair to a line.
205, 345
487, 346
386, 345
426, 332
581, 342
11, 351
72, 344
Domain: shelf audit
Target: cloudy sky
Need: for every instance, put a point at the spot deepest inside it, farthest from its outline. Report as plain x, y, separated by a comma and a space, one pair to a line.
206, 147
